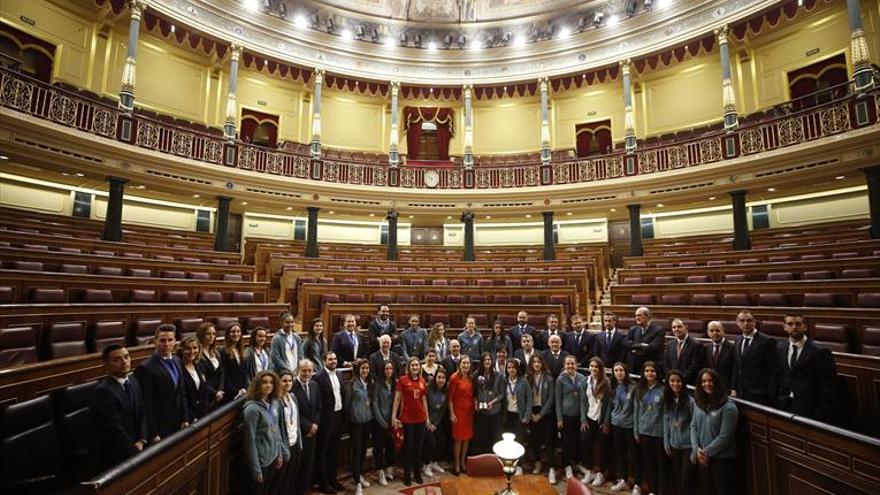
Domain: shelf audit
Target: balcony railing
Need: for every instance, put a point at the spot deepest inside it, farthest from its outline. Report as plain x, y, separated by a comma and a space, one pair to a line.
804, 120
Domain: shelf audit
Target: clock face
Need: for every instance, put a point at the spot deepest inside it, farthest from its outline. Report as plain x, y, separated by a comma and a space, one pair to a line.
432, 178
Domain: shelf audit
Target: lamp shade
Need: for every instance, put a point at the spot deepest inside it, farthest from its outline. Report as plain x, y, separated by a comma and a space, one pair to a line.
508, 449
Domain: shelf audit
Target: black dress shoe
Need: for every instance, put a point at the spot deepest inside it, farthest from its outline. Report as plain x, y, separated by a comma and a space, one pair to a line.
418, 477
454, 472
406, 478
329, 490
338, 486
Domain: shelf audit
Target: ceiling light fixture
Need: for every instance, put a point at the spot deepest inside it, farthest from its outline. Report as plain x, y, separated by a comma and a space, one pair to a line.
410, 216
332, 212
564, 32
568, 213
475, 45
301, 21
711, 198
612, 20
4, 157
80, 174
659, 205
432, 45
519, 40
771, 189
197, 195
346, 34
244, 203
289, 208
488, 217
528, 215
613, 210
840, 177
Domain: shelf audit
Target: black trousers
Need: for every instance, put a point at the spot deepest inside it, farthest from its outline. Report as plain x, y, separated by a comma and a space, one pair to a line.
413, 443
326, 462
360, 436
542, 438
512, 424
270, 475
289, 473
487, 429
436, 444
683, 472
625, 453
383, 447
595, 446
571, 439
719, 478
652, 459
307, 465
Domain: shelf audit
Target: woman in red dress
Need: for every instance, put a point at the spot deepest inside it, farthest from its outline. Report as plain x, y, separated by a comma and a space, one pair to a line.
461, 412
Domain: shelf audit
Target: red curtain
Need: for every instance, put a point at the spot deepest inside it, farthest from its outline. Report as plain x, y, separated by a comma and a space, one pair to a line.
443, 136
415, 116
583, 142
259, 128
593, 138
804, 83
603, 136
413, 134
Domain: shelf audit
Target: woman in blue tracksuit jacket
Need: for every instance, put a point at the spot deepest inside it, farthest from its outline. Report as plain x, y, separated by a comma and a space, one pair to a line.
713, 435
678, 409
648, 430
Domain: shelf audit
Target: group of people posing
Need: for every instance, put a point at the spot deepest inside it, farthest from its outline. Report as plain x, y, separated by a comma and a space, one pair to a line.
416, 395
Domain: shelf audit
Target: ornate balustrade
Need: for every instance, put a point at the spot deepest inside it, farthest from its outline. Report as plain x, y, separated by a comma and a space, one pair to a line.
23, 94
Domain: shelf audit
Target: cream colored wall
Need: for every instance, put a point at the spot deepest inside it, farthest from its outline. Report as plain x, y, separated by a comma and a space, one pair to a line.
271, 226
453, 235
718, 221
575, 231
154, 215
352, 122
329, 230
266, 94
510, 126
525, 233
593, 104
34, 196
850, 205
664, 102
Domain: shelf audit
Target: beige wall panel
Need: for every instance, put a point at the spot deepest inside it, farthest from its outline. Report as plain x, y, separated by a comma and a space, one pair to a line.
574, 232
138, 213
594, 103
453, 235
353, 232
270, 95
668, 105
507, 127
35, 197
352, 123
711, 222
506, 235
848, 206
271, 227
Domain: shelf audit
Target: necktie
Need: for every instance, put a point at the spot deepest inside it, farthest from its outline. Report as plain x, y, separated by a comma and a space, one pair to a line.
746, 342
172, 370
608, 339
794, 354
715, 353
308, 397
678, 349
129, 393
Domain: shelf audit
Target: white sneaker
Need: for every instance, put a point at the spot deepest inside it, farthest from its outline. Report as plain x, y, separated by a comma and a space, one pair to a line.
552, 476
588, 477
436, 468
568, 472
636, 490
599, 480
382, 480
426, 470
358, 490
364, 482
582, 469
619, 486
389, 473
538, 468
518, 472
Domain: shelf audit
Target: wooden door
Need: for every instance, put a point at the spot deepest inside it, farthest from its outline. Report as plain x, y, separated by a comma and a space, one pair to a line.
233, 235
428, 148
619, 236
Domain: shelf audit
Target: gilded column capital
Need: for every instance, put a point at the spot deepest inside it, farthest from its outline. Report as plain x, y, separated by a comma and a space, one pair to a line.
721, 34
319, 75
395, 88
625, 66
544, 83
235, 52
137, 8
468, 90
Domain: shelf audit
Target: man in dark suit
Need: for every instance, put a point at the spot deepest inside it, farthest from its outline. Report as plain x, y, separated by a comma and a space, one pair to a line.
117, 410
382, 356
684, 353
329, 383
719, 353
526, 352
805, 375
755, 361
450, 362
521, 328
347, 344
542, 338
382, 325
609, 343
644, 342
161, 380
578, 341
555, 356
308, 400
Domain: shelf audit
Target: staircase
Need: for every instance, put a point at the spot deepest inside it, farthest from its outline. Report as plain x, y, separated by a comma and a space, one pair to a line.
596, 323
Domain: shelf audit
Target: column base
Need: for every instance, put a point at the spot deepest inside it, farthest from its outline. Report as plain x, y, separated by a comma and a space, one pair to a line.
863, 78
315, 149
126, 101
630, 144
229, 131
731, 121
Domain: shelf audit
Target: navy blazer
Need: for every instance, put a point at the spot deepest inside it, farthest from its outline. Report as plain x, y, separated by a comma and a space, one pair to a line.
726, 365
808, 389
653, 336
555, 366
165, 403
118, 421
754, 368
309, 406
235, 373
451, 365
322, 380
341, 345
613, 353
582, 350
377, 363
198, 399
691, 361
375, 331
515, 333
542, 339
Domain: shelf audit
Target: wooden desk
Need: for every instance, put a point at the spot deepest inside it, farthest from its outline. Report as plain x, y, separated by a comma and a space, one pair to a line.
527, 484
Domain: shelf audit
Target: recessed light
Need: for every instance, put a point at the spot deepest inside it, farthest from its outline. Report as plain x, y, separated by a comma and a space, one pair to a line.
141, 186
4, 157
840, 177
289, 208
80, 174
528, 215
564, 32
372, 214
197, 195
64, 174
711, 198
449, 217
346, 34
488, 217
432, 45
771, 189
244, 203
301, 21
613, 209
568, 213
410, 216
332, 212
659, 205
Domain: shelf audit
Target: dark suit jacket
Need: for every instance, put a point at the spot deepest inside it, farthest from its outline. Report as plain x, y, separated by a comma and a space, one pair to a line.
582, 350
691, 361
726, 365
521, 355
309, 406
653, 336
341, 345
377, 363
555, 366
808, 389
755, 368
165, 403
198, 399
542, 339
374, 332
613, 354
449, 365
213, 375
515, 334
118, 421
322, 379
235, 374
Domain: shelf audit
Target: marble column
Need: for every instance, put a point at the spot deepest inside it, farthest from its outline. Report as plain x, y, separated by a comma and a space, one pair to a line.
468, 219
312, 232
629, 119
316, 114
728, 97
635, 230
544, 84
468, 128
113, 218
221, 230
129, 72
863, 75
231, 102
549, 244
393, 152
392, 234
741, 239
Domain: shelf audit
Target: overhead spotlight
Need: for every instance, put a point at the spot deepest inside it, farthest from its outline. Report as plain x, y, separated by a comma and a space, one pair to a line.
301, 21
612, 20
475, 45
389, 42
598, 18
346, 34
564, 32
432, 45
520, 40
